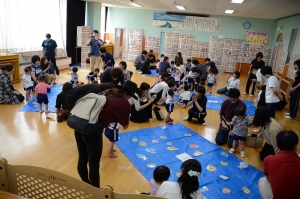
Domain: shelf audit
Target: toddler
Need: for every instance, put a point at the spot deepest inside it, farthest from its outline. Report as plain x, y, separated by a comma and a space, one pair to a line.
170, 100
26, 82
160, 174
173, 64
188, 65
177, 76
184, 97
210, 81
41, 90
191, 78
240, 124
112, 133
75, 77
157, 67
93, 76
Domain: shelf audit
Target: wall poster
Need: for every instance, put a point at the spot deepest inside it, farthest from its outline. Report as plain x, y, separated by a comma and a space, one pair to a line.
257, 39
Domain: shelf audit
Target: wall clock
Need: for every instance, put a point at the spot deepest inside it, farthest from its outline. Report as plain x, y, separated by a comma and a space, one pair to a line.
247, 25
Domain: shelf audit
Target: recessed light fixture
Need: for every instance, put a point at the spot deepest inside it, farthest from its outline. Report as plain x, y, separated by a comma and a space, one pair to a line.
237, 1
136, 5
180, 7
229, 11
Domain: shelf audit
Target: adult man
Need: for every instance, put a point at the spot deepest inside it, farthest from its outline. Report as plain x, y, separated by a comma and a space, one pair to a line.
273, 94
295, 93
50, 51
282, 177
164, 66
107, 58
226, 114
140, 59
95, 43
113, 75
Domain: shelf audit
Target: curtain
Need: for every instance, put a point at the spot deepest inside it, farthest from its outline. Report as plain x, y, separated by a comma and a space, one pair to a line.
24, 24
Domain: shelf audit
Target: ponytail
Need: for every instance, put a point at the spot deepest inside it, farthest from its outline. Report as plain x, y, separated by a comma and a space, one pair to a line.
188, 181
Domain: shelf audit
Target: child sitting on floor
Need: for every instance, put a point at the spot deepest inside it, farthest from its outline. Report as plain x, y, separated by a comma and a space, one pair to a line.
240, 124
27, 83
41, 90
112, 133
93, 76
184, 97
75, 77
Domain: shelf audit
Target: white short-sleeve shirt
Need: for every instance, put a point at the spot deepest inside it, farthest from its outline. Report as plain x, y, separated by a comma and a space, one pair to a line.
261, 78
270, 96
233, 83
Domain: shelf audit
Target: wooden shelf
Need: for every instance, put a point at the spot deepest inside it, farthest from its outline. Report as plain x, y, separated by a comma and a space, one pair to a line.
13, 59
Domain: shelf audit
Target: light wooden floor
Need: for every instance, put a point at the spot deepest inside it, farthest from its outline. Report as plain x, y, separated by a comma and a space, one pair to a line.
32, 139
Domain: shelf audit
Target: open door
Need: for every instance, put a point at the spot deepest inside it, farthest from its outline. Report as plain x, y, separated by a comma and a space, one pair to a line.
120, 45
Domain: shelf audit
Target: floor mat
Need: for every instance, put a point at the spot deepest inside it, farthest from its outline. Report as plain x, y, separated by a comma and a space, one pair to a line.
153, 73
151, 147
33, 106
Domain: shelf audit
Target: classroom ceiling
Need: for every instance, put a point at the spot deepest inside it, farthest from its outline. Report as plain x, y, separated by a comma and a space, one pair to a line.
267, 9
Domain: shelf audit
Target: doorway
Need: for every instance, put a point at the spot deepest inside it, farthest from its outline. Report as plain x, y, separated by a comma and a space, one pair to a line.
279, 51
120, 43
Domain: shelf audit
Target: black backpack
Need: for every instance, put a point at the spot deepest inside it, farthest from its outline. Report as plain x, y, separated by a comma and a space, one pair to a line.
282, 103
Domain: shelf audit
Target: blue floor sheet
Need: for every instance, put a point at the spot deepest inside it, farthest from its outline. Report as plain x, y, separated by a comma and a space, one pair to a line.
153, 73
32, 106
212, 156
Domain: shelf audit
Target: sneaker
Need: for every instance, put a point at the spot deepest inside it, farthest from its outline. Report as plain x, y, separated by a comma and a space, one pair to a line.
204, 124
112, 155
287, 114
61, 117
169, 122
186, 118
288, 117
231, 150
251, 95
243, 154
244, 93
140, 72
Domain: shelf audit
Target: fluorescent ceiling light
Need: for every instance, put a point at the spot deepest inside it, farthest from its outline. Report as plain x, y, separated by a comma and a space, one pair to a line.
136, 5
237, 1
180, 7
229, 11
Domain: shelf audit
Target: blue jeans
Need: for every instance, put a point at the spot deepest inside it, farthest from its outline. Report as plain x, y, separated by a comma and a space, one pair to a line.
223, 91
294, 102
90, 150
223, 138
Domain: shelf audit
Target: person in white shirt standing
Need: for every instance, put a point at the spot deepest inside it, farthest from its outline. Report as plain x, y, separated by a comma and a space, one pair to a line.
273, 95
26, 82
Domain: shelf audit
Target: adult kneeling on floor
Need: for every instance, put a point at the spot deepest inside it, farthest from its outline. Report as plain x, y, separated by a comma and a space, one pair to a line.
226, 114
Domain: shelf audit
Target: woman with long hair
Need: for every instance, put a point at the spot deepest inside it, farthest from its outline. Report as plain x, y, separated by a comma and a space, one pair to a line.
49, 70
178, 59
141, 109
187, 185
269, 129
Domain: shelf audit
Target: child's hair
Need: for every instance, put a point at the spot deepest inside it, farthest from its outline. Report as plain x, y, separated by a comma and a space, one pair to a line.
186, 87
161, 174
108, 64
97, 70
158, 60
27, 69
67, 87
162, 55
191, 170
172, 62
195, 62
166, 58
188, 60
254, 68
151, 51
143, 87
42, 78
240, 111
194, 69
207, 59
124, 64
75, 69
237, 74
177, 69
7, 67
171, 83
200, 89
164, 76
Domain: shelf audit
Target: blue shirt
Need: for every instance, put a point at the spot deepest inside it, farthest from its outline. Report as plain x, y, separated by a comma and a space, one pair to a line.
95, 50
49, 47
163, 67
107, 57
37, 70
106, 77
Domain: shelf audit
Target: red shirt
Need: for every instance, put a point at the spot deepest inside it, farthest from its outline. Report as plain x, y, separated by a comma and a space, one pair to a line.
284, 175
116, 109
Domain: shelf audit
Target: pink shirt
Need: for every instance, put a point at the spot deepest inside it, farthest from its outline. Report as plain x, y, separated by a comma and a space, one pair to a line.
41, 88
157, 65
153, 187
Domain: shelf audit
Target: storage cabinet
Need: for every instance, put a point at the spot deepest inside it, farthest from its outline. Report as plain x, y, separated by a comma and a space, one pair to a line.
13, 59
109, 48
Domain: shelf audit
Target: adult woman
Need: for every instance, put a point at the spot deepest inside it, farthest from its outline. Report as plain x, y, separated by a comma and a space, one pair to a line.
232, 82
178, 59
141, 109
187, 185
36, 69
116, 109
8, 95
203, 72
269, 129
159, 90
48, 69
62, 110
259, 63
145, 67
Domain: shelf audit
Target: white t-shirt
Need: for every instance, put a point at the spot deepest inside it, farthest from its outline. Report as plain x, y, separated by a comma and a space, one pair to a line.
181, 68
260, 77
136, 103
233, 83
186, 95
211, 78
26, 81
171, 190
270, 96
160, 86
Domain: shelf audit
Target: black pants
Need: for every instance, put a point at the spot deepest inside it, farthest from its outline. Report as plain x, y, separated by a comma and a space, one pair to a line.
266, 150
53, 61
89, 149
222, 138
272, 108
145, 69
196, 114
262, 99
21, 97
138, 66
142, 115
294, 102
158, 96
249, 82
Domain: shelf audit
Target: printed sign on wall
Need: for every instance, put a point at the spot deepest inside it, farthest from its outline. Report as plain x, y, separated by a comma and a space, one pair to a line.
206, 24
257, 39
